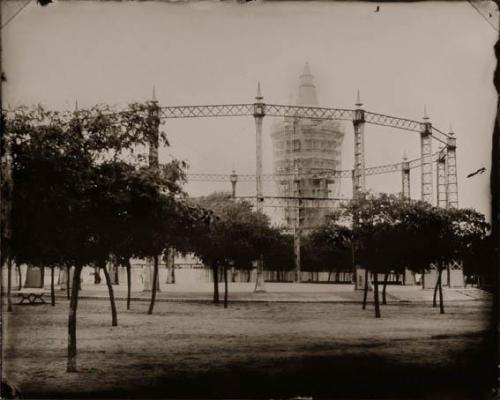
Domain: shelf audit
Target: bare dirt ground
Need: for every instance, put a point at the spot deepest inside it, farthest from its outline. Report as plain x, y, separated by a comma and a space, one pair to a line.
263, 350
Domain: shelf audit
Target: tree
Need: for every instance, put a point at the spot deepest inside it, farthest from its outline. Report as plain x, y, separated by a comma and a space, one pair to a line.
328, 248
237, 236
479, 262
279, 255
135, 213
65, 167
376, 229
461, 230
394, 233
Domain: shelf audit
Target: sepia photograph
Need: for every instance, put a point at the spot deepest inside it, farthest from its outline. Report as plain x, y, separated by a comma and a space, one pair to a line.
249, 199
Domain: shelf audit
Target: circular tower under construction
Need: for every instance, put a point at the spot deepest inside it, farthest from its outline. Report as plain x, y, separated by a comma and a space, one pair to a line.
306, 152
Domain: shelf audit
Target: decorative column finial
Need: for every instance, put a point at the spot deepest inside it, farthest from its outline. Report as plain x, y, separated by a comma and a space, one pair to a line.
451, 130
233, 179
358, 100
259, 94
426, 117
153, 98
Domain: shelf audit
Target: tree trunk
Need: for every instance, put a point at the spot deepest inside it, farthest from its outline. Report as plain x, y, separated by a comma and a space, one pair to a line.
73, 305
259, 281
384, 299
225, 287
172, 265
365, 290
129, 267
375, 295
114, 319
117, 276
249, 274
9, 284
434, 296
68, 270
215, 273
441, 302
173, 273
97, 275
52, 292
20, 283
155, 284
169, 258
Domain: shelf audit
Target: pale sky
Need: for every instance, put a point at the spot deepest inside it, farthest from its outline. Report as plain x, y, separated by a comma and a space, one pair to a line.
407, 55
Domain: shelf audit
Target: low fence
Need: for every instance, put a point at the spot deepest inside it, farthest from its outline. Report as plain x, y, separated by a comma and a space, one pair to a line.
242, 276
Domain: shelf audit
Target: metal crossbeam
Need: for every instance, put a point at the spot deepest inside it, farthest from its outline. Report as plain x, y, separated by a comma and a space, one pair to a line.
383, 169
436, 131
266, 177
316, 175
415, 163
291, 202
278, 110
223, 110
393, 122
389, 168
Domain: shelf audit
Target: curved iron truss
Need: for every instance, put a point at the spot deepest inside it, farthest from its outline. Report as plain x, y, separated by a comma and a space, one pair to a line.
340, 174
292, 111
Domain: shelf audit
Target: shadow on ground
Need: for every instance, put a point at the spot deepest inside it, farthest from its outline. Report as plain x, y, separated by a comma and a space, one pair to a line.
470, 375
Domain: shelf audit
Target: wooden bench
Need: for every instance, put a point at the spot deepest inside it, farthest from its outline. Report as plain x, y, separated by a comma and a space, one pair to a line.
31, 295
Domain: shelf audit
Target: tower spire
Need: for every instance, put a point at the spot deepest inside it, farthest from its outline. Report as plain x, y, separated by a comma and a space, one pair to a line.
307, 70
307, 89
76, 104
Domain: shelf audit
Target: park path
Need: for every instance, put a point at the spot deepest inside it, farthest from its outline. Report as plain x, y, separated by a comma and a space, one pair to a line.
280, 292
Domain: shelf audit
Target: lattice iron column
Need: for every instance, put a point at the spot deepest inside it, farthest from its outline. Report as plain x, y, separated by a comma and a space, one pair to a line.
154, 165
258, 113
259, 116
358, 173
359, 152
297, 225
405, 178
353, 179
441, 180
154, 133
426, 161
451, 173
